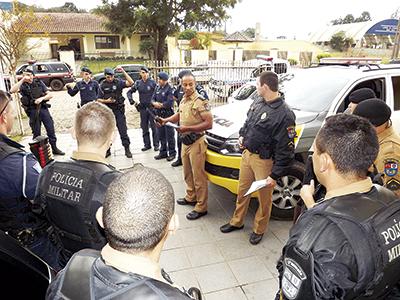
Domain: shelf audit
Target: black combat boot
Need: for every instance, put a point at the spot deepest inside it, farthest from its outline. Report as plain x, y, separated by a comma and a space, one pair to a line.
56, 151
128, 153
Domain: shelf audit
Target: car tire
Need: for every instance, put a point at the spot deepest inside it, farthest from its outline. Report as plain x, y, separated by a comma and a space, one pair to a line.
286, 194
56, 85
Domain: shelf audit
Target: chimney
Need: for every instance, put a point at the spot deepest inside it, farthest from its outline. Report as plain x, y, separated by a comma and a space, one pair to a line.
258, 32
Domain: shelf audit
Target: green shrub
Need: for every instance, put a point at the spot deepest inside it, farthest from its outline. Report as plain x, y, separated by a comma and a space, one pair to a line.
293, 61
323, 55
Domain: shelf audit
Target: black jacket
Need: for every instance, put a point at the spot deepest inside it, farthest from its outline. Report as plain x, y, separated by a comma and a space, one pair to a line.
269, 131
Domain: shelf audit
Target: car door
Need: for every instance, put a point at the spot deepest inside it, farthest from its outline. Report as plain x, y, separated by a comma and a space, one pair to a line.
42, 72
395, 90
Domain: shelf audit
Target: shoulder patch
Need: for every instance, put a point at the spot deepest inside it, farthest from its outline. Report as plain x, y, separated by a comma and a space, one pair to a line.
37, 167
293, 277
291, 132
393, 184
201, 97
391, 167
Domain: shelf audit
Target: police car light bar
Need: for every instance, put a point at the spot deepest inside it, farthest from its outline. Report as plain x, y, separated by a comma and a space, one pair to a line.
350, 60
264, 57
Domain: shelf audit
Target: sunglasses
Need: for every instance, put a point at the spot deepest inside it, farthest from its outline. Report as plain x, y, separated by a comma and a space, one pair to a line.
8, 101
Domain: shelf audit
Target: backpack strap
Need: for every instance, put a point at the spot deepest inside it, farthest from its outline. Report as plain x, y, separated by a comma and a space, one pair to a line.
76, 283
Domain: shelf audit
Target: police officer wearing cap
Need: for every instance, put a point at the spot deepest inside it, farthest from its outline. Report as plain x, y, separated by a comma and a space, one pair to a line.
357, 97
178, 95
195, 117
267, 140
34, 98
70, 192
145, 87
87, 87
18, 178
110, 93
387, 162
163, 103
345, 246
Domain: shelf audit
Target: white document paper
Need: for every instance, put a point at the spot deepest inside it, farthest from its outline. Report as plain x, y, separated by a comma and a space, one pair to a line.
172, 125
256, 185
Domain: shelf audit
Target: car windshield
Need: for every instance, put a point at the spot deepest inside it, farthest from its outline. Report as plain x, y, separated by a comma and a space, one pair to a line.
245, 92
312, 89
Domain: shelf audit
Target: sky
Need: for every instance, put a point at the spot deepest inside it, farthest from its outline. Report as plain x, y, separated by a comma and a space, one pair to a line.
290, 18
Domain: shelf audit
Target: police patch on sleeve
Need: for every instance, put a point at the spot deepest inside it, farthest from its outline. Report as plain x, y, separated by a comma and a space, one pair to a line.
207, 106
393, 184
391, 167
293, 277
37, 167
291, 132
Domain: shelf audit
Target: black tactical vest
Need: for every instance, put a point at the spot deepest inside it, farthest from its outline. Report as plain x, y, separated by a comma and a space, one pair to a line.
112, 90
72, 192
16, 213
34, 90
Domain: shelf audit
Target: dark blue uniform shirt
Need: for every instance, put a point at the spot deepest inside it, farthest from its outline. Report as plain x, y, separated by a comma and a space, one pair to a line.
89, 91
145, 89
164, 95
120, 84
25, 89
11, 175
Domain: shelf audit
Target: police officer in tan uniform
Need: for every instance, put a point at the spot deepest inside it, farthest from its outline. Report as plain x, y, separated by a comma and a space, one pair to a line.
267, 138
195, 117
387, 162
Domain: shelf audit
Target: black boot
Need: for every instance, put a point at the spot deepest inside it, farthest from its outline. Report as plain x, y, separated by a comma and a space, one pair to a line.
56, 151
128, 153
177, 163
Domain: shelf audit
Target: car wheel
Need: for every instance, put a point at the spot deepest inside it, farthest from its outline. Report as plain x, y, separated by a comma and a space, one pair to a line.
286, 193
56, 85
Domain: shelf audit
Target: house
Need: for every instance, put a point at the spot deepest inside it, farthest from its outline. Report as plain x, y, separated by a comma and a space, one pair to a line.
84, 33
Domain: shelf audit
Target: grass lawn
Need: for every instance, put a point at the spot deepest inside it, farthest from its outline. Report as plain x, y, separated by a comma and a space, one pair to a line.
97, 66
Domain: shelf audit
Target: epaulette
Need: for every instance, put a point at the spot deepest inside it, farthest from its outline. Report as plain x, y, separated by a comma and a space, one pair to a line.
201, 97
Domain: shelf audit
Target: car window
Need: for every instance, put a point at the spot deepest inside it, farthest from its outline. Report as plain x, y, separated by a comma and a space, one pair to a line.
21, 69
40, 68
396, 92
245, 92
256, 72
131, 68
376, 84
280, 68
312, 89
59, 68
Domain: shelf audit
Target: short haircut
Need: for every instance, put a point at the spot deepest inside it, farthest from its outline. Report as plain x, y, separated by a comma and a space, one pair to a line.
137, 209
94, 123
4, 98
271, 79
190, 75
350, 141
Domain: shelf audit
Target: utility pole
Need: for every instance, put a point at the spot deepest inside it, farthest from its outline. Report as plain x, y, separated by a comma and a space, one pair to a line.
396, 46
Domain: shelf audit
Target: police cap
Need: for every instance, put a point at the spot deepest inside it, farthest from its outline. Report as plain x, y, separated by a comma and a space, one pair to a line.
86, 69
375, 110
163, 76
29, 70
184, 73
361, 94
144, 69
108, 71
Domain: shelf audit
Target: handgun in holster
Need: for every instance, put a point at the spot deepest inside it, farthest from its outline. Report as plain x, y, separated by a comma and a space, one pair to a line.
41, 149
189, 138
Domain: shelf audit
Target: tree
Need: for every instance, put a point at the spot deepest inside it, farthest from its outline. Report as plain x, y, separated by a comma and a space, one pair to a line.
340, 42
14, 31
146, 46
365, 16
187, 34
161, 18
68, 7
250, 32
396, 14
349, 18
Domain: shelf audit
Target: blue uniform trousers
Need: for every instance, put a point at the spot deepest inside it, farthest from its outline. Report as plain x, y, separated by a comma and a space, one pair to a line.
120, 119
166, 135
36, 118
146, 121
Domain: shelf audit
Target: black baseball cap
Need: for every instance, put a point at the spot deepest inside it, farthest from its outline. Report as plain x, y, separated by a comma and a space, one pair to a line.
374, 110
108, 71
144, 69
361, 94
86, 69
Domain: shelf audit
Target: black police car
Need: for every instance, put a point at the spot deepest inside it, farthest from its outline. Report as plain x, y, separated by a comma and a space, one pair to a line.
54, 74
132, 69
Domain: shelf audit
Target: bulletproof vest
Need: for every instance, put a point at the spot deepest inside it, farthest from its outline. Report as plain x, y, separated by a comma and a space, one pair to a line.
78, 281
371, 227
72, 192
15, 213
35, 92
112, 90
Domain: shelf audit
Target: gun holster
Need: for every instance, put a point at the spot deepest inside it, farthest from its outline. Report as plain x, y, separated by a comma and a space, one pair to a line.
189, 138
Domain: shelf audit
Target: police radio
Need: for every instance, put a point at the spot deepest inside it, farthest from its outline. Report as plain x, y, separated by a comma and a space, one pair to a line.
40, 147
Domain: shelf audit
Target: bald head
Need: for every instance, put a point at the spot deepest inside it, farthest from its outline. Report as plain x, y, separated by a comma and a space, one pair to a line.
137, 210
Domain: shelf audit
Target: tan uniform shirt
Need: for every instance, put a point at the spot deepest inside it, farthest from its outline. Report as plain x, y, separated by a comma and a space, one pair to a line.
388, 159
191, 108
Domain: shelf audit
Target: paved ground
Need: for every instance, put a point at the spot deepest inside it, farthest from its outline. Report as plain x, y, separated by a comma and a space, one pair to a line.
223, 266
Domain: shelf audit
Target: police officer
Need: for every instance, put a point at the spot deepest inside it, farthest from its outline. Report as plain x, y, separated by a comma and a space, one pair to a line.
338, 249
178, 95
357, 97
71, 191
267, 140
128, 266
195, 117
387, 162
18, 178
163, 103
110, 93
145, 87
87, 87
34, 98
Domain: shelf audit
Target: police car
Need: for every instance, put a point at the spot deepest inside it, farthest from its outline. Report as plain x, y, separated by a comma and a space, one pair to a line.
226, 79
313, 94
